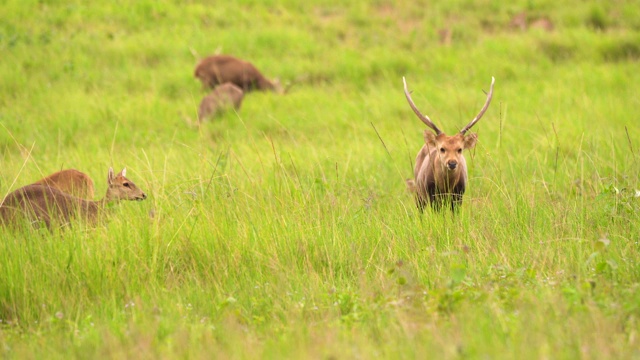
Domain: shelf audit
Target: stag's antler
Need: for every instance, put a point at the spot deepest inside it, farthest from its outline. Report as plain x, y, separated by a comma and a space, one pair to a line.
484, 109
425, 119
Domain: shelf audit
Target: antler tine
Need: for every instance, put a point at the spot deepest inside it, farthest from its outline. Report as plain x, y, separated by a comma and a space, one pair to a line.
484, 109
425, 119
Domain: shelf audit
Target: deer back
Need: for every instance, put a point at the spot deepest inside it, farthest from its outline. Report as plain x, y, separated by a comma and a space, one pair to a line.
220, 99
41, 203
70, 181
218, 69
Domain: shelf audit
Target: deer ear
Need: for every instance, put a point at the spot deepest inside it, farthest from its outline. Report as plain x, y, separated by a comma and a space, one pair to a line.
470, 141
110, 176
123, 173
429, 138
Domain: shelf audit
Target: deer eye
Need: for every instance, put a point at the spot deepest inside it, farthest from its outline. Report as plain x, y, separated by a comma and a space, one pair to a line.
459, 151
442, 150
126, 185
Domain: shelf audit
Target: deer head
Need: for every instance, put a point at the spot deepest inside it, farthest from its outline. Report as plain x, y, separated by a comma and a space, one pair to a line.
449, 148
121, 188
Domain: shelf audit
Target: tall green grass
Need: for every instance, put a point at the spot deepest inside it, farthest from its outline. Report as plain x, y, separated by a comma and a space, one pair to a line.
284, 229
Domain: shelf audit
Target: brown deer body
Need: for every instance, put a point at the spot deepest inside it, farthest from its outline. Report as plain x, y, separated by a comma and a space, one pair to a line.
219, 69
441, 170
220, 99
70, 181
41, 203
523, 22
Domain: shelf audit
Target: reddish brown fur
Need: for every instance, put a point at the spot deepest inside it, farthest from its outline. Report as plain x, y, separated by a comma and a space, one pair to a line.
220, 99
445, 34
41, 203
70, 181
523, 22
519, 21
219, 69
542, 24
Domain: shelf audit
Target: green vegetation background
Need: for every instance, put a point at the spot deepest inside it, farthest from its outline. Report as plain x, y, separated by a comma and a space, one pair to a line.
285, 230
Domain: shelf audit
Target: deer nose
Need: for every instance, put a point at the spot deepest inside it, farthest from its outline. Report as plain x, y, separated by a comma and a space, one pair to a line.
452, 165
143, 196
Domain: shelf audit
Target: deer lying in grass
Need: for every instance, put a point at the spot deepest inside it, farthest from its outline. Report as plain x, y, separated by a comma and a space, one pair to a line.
70, 181
523, 21
37, 202
219, 69
220, 99
441, 170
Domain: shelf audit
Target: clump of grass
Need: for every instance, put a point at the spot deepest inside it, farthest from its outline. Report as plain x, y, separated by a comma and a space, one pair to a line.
620, 48
559, 49
597, 18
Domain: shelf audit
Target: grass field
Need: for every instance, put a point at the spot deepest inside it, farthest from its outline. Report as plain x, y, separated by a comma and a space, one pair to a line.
284, 230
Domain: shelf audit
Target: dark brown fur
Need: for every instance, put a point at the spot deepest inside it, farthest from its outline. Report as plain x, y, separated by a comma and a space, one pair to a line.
219, 69
220, 99
70, 181
41, 203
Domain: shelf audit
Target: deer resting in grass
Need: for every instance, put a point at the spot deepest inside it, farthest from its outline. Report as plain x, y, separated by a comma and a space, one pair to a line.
219, 69
223, 97
441, 170
41, 203
70, 181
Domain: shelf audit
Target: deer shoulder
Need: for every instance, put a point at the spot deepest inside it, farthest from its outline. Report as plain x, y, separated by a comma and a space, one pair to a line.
70, 181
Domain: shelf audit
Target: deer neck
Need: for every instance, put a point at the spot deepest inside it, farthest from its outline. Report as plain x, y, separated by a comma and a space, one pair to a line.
446, 179
266, 84
107, 201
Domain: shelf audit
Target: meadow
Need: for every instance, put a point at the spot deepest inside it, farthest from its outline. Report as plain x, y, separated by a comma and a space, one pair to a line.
284, 230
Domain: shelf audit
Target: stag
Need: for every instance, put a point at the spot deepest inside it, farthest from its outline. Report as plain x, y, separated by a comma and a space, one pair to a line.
441, 170
220, 99
70, 181
41, 203
219, 69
